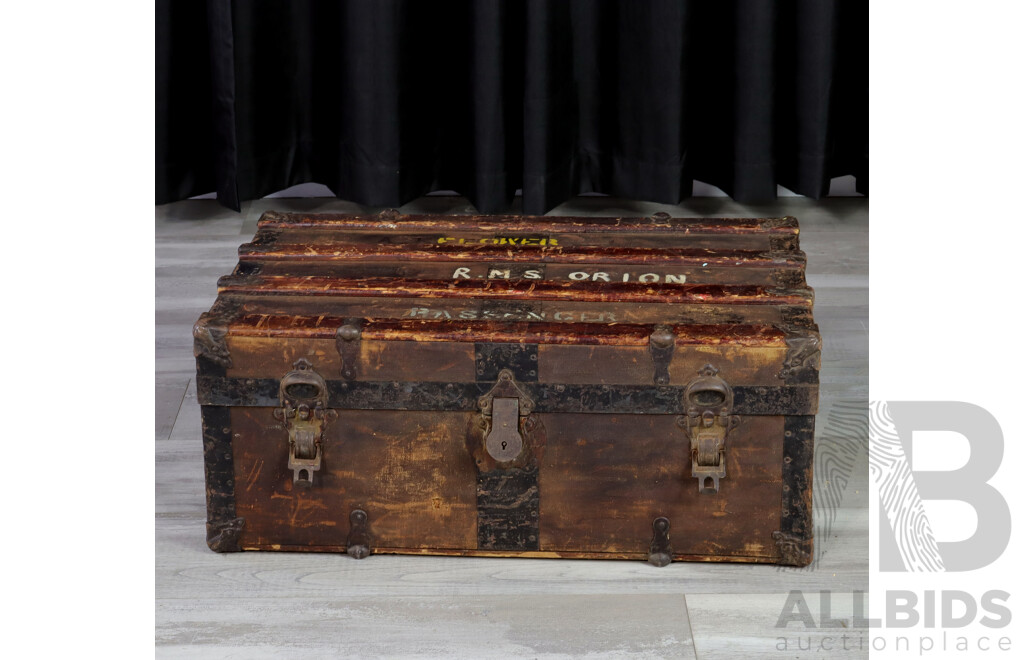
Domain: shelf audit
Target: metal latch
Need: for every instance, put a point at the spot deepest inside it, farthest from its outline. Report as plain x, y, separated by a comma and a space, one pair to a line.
707, 401
303, 396
505, 419
504, 442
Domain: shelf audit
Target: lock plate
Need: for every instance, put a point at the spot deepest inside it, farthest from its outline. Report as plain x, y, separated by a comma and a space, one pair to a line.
506, 434
504, 442
707, 401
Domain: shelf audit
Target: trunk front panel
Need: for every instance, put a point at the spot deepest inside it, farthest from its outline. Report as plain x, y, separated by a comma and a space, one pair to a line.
602, 480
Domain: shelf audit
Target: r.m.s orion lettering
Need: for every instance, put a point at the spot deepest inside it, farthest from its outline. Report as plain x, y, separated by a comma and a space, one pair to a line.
466, 273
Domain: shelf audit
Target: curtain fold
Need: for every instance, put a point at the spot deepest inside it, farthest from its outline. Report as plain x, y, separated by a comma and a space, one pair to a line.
386, 100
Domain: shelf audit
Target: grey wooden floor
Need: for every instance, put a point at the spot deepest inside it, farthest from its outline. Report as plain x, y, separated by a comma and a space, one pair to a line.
256, 605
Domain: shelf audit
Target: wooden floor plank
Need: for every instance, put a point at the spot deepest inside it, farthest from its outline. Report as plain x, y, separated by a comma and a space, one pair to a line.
170, 391
440, 626
747, 626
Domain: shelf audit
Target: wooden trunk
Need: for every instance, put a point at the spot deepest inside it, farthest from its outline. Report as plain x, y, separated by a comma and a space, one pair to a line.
632, 388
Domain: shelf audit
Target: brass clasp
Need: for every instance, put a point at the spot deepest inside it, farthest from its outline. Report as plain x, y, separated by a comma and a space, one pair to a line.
304, 411
506, 434
707, 401
504, 442
501, 411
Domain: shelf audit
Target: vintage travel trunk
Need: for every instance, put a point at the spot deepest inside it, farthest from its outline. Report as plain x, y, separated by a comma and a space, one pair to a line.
628, 388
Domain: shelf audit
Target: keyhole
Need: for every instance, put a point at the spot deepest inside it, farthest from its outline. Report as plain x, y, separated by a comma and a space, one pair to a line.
504, 444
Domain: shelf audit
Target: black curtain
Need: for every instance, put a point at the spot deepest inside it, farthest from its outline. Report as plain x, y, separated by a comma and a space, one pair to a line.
385, 100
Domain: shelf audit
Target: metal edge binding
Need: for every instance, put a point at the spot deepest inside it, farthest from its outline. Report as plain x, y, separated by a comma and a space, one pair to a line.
793, 551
